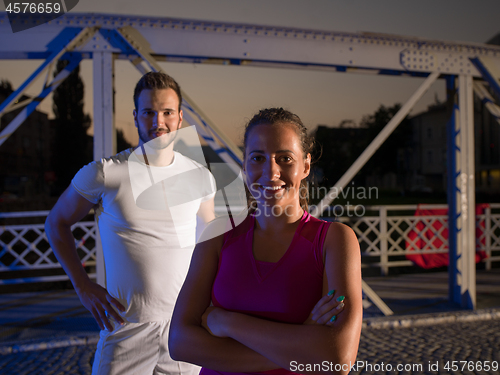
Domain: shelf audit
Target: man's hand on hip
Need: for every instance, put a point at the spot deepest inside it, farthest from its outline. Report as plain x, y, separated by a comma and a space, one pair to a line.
98, 301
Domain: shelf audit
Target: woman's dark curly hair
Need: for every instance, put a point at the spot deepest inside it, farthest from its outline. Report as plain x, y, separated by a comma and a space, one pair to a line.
277, 116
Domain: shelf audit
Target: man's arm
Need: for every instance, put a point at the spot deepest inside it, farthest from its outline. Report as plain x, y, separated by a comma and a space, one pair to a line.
205, 214
69, 209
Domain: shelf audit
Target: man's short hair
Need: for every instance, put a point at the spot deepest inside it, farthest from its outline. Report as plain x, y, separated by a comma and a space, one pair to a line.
156, 81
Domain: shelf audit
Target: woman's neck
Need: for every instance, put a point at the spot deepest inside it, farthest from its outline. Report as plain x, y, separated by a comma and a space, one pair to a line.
277, 217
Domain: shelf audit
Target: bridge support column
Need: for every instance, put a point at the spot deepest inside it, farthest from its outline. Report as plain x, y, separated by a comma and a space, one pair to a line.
104, 128
461, 193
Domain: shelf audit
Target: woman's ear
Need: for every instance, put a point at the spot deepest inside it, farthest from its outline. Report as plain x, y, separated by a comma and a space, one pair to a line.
307, 165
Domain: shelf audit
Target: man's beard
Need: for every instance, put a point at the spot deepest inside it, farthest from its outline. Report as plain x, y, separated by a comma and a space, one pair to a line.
158, 143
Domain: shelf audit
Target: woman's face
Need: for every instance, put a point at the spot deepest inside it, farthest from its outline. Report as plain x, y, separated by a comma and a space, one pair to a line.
275, 164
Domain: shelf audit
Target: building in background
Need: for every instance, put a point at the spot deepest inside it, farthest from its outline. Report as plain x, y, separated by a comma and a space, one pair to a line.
425, 156
428, 158
420, 154
26, 167
341, 146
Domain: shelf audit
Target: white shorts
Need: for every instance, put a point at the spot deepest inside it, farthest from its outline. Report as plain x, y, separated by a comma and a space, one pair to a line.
138, 349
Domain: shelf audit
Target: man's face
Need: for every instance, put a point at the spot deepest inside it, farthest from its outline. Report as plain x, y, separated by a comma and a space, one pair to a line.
157, 115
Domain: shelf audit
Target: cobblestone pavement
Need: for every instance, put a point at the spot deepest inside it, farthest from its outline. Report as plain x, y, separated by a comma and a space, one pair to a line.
69, 360
417, 350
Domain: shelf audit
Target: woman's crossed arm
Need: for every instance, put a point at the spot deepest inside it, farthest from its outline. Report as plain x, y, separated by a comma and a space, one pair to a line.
241, 343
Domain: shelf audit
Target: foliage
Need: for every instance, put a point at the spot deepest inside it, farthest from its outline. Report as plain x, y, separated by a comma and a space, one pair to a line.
121, 141
339, 149
342, 146
387, 158
71, 125
5, 90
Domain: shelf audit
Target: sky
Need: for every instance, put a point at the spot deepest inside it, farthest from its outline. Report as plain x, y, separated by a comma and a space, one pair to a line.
230, 95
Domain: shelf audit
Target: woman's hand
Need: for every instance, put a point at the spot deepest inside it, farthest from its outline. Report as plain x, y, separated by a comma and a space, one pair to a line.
326, 310
213, 320
324, 313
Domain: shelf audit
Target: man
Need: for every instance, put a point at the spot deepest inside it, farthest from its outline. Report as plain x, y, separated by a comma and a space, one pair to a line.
147, 232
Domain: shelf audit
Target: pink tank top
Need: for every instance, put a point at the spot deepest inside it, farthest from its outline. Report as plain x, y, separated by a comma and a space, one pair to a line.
285, 291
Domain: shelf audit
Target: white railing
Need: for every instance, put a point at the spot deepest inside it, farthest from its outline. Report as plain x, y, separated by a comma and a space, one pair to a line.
386, 235
24, 247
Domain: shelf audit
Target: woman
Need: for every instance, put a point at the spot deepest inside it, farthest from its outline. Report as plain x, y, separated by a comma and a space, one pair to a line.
266, 277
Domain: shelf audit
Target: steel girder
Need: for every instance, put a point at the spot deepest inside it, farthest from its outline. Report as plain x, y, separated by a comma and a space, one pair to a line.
68, 40
104, 124
228, 43
373, 146
30, 105
483, 94
225, 43
461, 192
142, 59
490, 71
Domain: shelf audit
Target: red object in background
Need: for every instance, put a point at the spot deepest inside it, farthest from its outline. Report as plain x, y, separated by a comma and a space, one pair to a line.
49, 176
433, 241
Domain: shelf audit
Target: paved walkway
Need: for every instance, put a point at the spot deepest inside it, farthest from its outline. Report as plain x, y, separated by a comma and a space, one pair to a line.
51, 333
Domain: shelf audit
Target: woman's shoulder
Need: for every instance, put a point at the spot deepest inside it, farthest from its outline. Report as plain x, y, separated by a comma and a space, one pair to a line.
338, 227
341, 236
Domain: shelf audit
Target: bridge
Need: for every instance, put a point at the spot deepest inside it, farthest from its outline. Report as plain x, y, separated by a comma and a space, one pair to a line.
468, 68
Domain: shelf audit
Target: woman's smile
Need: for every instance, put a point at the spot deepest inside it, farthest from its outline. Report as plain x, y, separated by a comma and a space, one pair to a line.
275, 164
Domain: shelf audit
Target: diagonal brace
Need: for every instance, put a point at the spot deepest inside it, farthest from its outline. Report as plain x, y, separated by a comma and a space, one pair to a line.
134, 41
77, 41
373, 146
485, 97
75, 60
489, 71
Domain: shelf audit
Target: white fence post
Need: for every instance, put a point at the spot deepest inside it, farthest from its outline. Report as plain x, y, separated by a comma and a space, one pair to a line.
384, 257
104, 128
487, 236
23, 246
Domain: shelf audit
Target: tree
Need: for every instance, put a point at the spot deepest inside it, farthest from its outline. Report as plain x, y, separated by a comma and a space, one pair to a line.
5, 90
387, 158
339, 149
71, 126
341, 146
121, 141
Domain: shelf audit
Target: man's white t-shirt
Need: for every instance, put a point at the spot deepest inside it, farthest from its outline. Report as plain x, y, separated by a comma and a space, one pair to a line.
147, 223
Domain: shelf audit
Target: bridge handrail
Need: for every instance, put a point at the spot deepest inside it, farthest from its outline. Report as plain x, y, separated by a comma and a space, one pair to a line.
383, 238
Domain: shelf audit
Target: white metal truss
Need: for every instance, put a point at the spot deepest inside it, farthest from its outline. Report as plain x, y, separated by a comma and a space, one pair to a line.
104, 124
146, 40
483, 94
132, 44
31, 104
228, 152
228, 43
76, 39
67, 40
461, 193
373, 146
399, 240
490, 71
139, 54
